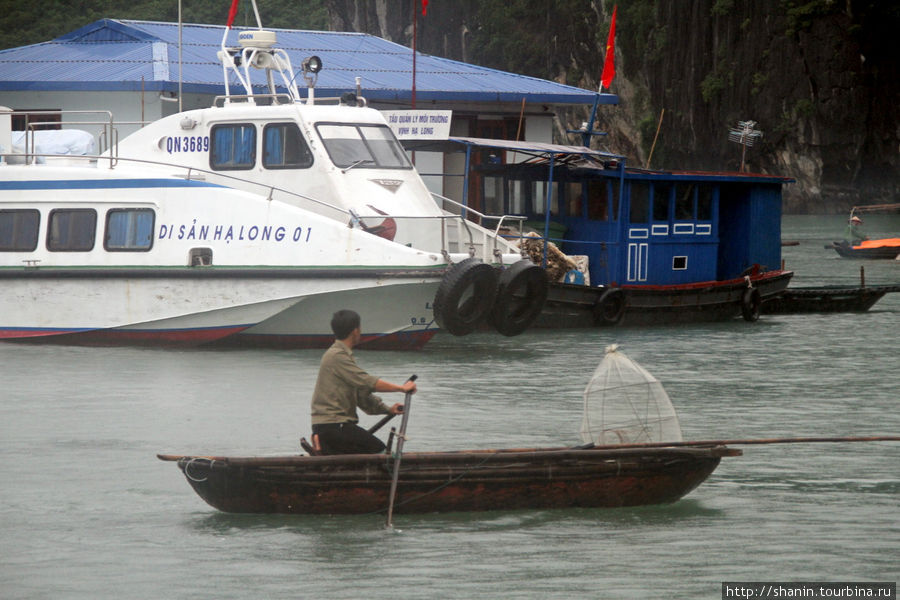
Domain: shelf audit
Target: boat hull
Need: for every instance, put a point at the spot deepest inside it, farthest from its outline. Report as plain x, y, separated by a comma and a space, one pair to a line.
572, 306
398, 316
451, 481
287, 308
890, 249
826, 299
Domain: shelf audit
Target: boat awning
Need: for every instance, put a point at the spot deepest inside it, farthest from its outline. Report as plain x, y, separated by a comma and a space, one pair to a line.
537, 149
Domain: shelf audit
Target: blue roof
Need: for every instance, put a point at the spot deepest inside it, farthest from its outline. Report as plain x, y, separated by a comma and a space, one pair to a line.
112, 55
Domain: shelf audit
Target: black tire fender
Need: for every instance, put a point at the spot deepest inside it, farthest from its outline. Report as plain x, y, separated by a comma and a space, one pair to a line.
610, 308
521, 293
465, 296
751, 301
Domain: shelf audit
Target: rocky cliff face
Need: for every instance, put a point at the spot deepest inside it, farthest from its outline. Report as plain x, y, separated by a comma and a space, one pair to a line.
820, 77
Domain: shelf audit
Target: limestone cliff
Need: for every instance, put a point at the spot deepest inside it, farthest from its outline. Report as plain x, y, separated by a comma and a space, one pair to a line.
820, 77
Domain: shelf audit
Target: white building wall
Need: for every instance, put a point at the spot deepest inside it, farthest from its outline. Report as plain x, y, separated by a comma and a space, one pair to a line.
128, 109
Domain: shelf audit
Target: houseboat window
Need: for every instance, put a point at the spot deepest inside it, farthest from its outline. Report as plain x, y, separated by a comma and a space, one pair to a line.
19, 230
540, 198
519, 195
284, 147
640, 203
684, 201
72, 230
574, 199
704, 202
493, 195
129, 230
232, 147
362, 146
661, 198
614, 189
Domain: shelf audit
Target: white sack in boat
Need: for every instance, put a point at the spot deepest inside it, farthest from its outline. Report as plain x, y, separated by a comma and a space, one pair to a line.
625, 404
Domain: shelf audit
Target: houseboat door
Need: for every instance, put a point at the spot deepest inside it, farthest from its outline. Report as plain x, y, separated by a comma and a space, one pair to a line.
637, 260
638, 233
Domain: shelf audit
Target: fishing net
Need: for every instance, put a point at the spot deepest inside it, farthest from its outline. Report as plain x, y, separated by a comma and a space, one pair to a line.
624, 404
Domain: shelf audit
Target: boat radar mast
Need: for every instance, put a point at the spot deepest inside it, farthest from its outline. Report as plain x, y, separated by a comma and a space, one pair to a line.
257, 51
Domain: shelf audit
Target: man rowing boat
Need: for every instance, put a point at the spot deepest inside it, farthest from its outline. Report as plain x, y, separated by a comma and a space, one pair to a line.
342, 387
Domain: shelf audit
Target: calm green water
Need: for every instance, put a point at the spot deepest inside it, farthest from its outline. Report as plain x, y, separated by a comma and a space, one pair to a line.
86, 510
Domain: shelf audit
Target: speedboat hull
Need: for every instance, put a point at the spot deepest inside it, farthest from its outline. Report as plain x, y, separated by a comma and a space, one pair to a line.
192, 307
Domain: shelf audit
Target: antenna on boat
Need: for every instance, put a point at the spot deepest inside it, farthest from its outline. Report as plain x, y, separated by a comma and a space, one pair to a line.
256, 51
745, 135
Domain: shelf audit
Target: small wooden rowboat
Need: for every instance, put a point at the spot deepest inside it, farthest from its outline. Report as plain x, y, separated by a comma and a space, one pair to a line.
470, 480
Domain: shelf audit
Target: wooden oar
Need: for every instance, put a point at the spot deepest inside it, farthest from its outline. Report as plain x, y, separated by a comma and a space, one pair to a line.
742, 442
401, 437
380, 423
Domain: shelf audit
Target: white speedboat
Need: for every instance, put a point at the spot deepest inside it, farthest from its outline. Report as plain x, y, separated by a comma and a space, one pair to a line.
249, 222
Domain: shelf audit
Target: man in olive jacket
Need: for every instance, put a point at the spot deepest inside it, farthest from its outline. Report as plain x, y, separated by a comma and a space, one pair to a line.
342, 387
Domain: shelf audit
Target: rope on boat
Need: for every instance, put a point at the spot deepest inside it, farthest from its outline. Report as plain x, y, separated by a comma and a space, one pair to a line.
187, 466
443, 485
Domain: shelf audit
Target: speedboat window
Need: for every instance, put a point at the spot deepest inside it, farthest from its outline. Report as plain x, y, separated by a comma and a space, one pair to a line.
19, 230
284, 147
129, 230
71, 230
232, 147
363, 146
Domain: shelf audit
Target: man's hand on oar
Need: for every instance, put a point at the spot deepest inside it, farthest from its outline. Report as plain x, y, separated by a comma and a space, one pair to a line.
409, 386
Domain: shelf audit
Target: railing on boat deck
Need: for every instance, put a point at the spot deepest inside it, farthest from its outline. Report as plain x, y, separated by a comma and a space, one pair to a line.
281, 99
107, 138
496, 234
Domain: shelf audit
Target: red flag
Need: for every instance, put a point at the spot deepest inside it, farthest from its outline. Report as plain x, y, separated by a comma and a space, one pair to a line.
424, 7
609, 65
232, 13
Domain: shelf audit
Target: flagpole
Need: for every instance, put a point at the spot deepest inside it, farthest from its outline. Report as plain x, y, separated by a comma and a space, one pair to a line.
415, 9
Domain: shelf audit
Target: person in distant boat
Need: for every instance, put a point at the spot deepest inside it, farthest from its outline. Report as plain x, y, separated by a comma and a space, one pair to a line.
854, 231
342, 387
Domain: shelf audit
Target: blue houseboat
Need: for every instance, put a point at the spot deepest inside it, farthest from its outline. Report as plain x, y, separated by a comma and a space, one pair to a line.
661, 246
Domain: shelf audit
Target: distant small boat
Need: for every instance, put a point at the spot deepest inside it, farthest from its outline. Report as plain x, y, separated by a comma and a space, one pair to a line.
470, 480
884, 248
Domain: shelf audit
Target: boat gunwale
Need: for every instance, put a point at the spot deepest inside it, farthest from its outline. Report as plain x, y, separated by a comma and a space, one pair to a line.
462, 456
765, 277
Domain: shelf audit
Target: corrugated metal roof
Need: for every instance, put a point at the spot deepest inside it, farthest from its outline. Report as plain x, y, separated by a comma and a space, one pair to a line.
115, 55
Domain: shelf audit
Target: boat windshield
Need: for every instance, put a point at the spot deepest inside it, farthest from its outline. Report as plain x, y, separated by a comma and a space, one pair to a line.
362, 146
